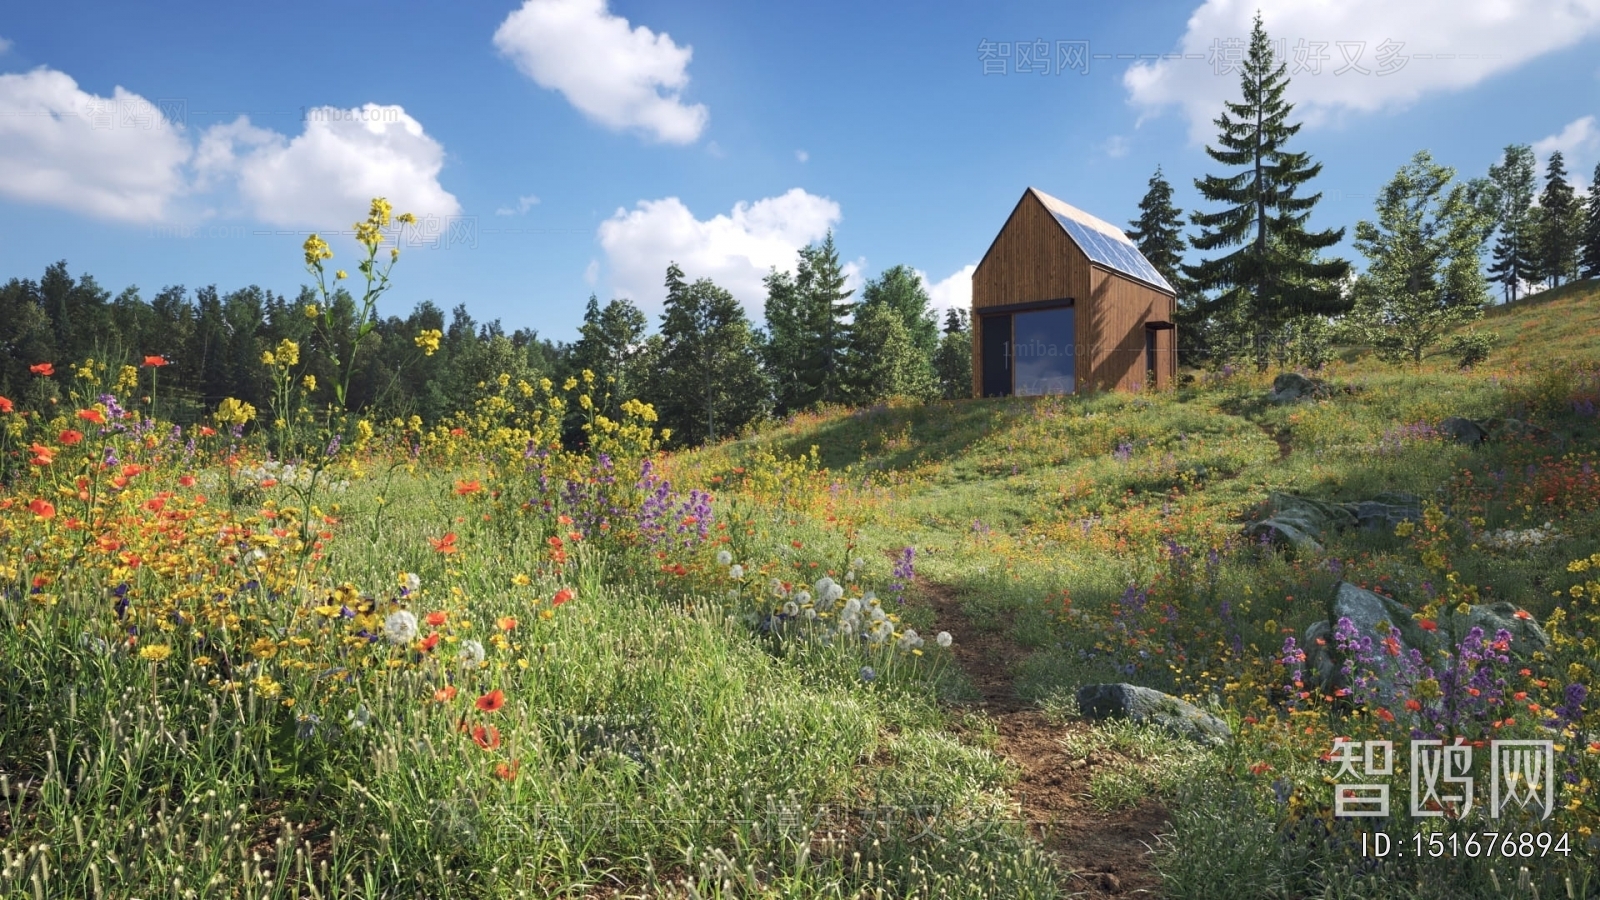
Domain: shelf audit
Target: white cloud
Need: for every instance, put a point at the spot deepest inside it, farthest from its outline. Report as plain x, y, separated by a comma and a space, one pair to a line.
111, 157
4, 45
328, 174
1579, 144
591, 274
627, 79
736, 250
1116, 146
802, 155
954, 292
1485, 38
523, 205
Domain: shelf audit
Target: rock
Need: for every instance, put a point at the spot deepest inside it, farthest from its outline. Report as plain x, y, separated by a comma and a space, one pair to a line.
1526, 634
1147, 706
1464, 431
1302, 523
1291, 386
1386, 510
1506, 429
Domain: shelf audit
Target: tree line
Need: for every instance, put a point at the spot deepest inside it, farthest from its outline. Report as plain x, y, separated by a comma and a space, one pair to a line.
1434, 251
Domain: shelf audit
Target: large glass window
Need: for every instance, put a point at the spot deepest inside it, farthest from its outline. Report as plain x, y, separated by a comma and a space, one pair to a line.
1044, 351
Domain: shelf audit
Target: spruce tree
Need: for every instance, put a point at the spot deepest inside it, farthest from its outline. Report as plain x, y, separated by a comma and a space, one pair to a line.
1266, 284
1560, 224
707, 381
1158, 233
1515, 260
952, 362
1589, 263
611, 338
806, 330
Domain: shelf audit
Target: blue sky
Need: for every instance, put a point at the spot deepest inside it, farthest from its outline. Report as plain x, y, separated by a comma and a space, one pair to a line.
561, 147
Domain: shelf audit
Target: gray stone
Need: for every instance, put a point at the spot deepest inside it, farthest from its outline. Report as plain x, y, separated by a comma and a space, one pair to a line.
1289, 387
1148, 706
1463, 430
1527, 636
1302, 523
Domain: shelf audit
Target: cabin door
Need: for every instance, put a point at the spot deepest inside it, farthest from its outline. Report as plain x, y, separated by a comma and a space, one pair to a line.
997, 356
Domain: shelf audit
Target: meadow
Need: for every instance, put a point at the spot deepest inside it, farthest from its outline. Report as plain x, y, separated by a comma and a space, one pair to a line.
338, 658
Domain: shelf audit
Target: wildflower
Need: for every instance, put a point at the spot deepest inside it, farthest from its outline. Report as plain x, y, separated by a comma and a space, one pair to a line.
724, 558
736, 572
1413, 705
409, 582
44, 368
486, 736
944, 639
6, 406
507, 771
1258, 768
446, 544
471, 656
264, 648
430, 642
562, 596
44, 509
306, 726
154, 362
1428, 625
155, 652
309, 381
492, 701
505, 623
791, 608
358, 718
70, 437
92, 415
400, 627
521, 580
428, 341
436, 618
266, 686
464, 487
445, 694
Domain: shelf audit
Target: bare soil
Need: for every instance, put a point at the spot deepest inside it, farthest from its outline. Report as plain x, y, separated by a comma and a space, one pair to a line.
1102, 854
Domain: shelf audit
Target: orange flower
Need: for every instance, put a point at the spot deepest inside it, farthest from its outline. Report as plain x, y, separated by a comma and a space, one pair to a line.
446, 544
92, 415
487, 737
430, 642
70, 437
561, 597
564, 519
207, 431
436, 618
458, 432
1524, 614
154, 504
42, 455
186, 480
492, 701
1385, 715
6, 405
506, 623
1414, 705
151, 362
445, 694
1429, 625
464, 488
507, 772
1258, 768
44, 509
45, 369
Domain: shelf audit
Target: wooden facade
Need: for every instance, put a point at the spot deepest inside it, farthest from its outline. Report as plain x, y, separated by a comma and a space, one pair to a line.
1120, 325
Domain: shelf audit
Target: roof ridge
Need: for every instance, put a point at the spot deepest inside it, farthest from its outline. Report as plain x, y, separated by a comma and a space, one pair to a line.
1086, 218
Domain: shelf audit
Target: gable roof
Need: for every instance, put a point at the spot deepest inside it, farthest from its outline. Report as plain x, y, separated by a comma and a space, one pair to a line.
1102, 242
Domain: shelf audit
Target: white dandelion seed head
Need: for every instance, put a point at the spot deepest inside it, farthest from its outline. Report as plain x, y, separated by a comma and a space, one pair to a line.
358, 718
846, 628
472, 655
944, 639
736, 572
852, 607
878, 615
823, 584
413, 582
400, 627
803, 598
850, 575
724, 558
791, 608
835, 591
776, 587
810, 614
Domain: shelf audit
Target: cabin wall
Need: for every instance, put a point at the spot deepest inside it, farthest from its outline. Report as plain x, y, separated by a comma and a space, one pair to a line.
1119, 310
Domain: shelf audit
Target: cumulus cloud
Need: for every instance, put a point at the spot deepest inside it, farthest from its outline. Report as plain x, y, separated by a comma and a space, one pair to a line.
1407, 49
111, 157
736, 249
326, 175
954, 292
1579, 144
626, 79
523, 205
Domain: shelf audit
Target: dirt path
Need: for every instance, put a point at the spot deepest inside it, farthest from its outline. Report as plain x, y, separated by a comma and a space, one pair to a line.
1105, 854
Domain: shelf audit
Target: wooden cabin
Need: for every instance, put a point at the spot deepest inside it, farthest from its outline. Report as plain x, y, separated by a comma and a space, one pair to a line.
1064, 302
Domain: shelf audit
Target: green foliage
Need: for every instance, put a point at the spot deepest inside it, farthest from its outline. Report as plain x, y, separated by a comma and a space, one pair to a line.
1515, 251
1589, 262
706, 380
952, 362
612, 345
806, 316
1423, 276
1275, 275
883, 359
1559, 225
1469, 348
901, 289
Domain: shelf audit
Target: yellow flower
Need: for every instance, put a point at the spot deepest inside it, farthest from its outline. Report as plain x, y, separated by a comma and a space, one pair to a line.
267, 359
311, 311
155, 652
265, 648
316, 250
234, 412
266, 687
363, 433
288, 353
521, 580
428, 341
341, 275
310, 382
127, 378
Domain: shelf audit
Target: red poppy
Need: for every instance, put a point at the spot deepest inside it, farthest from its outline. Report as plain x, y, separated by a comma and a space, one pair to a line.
1429, 625
6, 405
507, 772
1524, 614
464, 488
92, 415
1258, 768
561, 597
1414, 705
435, 618
70, 437
506, 623
446, 544
44, 509
154, 361
486, 736
430, 642
186, 480
42, 455
1385, 715
207, 431
445, 694
45, 369
492, 701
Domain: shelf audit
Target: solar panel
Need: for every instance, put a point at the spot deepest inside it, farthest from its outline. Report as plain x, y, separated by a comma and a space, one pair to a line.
1106, 250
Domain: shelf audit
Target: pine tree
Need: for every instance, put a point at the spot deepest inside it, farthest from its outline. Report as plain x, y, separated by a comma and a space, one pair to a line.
1158, 233
952, 362
1560, 225
1590, 261
707, 381
1267, 286
610, 341
806, 329
883, 360
1515, 260
1424, 276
